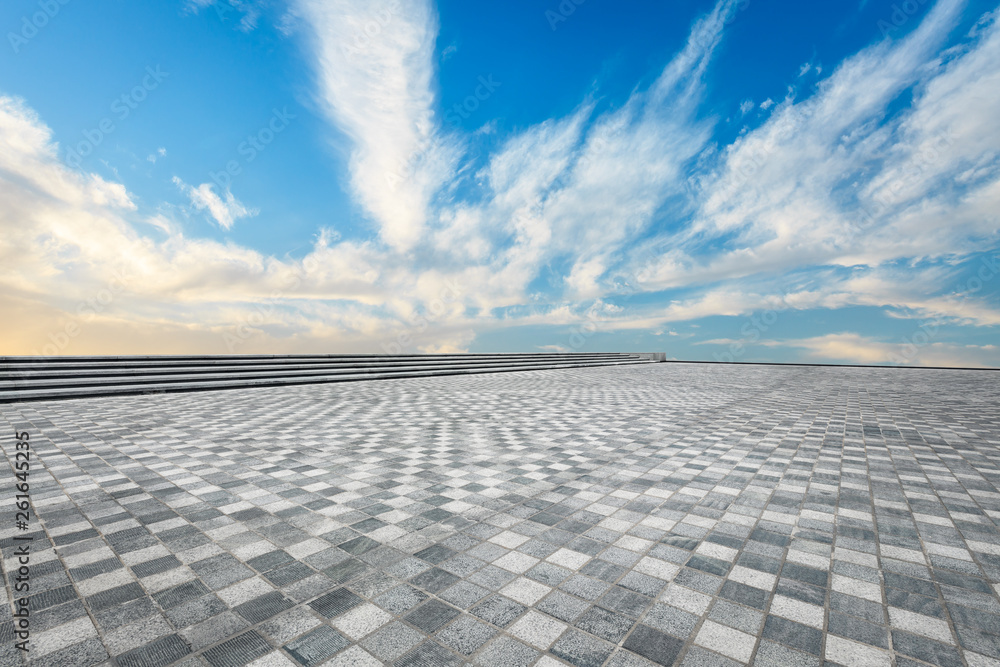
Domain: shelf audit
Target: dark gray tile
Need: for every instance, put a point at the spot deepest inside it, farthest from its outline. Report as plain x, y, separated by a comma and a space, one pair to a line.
238, 651
654, 645
264, 607
498, 610
793, 634
581, 650
315, 647
335, 603
429, 654
163, 651
605, 624
925, 649
431, 616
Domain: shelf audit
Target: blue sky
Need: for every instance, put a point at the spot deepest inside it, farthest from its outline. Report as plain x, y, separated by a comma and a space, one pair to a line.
735, 181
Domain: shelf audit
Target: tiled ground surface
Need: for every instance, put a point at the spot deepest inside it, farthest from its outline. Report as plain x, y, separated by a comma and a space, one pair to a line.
661, 514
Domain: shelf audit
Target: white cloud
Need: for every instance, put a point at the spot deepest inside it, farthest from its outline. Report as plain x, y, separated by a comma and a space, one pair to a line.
854, 348
226, 211
829, 180
746, 106
375, 68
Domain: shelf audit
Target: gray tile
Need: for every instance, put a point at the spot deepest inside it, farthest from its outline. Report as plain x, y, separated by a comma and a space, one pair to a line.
654, 645
431, 615
400, 599
239, 650
605, 624
263, 607
793, 634
506, 652
335, 603
465, 635
464, 594
745, 619
392, 641
562, 606
315, 647
163, 651
498, 610
429, 654
215, 629
581, 650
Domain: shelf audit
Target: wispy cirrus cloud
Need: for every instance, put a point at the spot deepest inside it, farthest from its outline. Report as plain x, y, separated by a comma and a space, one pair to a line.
248, 11
834, 180
376, 86
226, 210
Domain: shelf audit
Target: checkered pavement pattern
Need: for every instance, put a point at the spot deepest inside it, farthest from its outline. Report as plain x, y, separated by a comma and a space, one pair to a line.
664, 514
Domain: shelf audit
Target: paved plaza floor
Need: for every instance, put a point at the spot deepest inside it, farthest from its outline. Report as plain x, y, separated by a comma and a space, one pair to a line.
690, 514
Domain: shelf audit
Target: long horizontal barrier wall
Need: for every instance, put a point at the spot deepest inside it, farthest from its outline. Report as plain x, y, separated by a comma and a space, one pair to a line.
40, 378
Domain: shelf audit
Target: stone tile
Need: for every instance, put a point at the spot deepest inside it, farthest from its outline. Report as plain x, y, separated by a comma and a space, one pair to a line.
537, 630
506, 652
498, 610
466, 635
361, 621
846, 652
315, 647
654, 645
429, 654
727, 641
582, 650
431, 616
240, 650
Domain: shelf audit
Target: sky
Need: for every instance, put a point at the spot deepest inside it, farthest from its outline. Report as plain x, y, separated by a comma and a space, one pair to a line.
740, 181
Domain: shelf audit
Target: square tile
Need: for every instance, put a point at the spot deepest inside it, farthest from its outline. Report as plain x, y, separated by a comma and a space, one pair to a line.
727, 641
525, 591
537, 630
